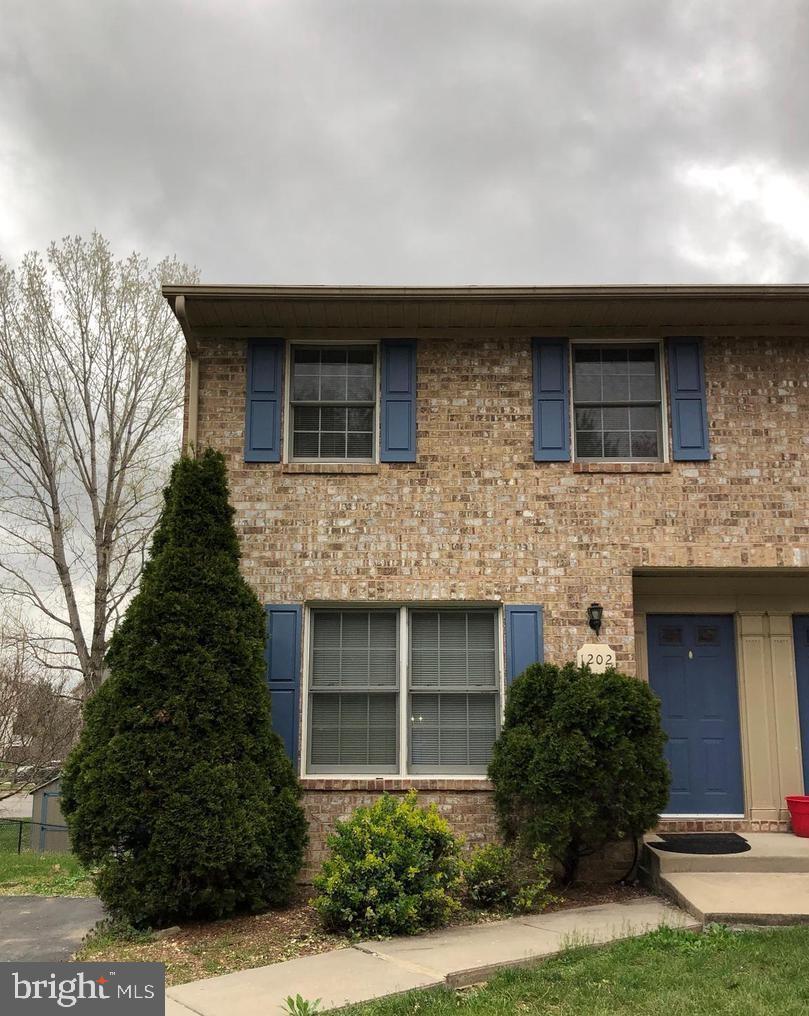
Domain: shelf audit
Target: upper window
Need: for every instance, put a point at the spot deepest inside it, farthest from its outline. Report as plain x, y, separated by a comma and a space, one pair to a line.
617, 403
333, 402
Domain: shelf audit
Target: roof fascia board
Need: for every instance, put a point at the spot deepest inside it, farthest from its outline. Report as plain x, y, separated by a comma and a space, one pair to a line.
483, 293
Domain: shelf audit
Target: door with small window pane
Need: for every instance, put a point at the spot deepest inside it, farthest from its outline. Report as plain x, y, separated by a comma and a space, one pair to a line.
692, 670
353, 691
454, 710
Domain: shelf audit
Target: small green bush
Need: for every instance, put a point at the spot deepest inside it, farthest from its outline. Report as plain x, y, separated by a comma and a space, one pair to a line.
300, 1006
394, 869
489, 878
534, 892
497, 878
579, 761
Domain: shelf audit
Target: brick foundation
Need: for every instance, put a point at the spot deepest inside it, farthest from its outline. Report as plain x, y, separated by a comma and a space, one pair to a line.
723, 825
467, 805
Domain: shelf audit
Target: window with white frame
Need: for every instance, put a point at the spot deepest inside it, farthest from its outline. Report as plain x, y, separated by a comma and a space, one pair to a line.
333, 399
403, 690
617, 402
354, 691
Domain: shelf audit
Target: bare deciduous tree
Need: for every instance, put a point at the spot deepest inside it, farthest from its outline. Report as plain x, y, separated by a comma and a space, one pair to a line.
39, 720
91, 380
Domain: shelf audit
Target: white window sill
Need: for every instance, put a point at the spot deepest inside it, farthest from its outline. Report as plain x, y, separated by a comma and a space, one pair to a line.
331, 468
391, 782
621, 467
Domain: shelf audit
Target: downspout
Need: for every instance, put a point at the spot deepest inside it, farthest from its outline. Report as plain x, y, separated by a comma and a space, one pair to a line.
192, 346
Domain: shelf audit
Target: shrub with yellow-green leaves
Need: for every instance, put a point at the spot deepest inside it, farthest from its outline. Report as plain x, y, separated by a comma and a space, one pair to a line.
394, 869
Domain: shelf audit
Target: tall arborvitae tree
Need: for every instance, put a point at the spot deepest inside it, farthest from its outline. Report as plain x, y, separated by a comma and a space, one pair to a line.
179, 792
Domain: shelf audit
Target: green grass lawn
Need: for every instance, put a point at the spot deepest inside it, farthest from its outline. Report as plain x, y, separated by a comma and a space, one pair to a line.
665, 973
30, 874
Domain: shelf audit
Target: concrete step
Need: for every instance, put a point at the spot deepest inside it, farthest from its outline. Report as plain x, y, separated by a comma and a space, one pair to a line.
769, 853
734, 897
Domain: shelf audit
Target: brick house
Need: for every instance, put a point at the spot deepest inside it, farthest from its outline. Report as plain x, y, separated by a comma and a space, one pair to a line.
432, 485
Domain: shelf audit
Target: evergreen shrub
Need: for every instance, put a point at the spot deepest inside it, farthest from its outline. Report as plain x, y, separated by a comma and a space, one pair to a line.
579, 761
178, 792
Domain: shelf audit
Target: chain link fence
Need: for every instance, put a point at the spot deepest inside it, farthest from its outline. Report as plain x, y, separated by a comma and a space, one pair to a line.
20, 834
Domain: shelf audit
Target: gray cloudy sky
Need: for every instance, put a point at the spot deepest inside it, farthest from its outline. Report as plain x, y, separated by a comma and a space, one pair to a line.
414, 141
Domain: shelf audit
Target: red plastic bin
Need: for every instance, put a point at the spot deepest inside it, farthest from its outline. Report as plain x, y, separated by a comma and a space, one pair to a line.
798, 805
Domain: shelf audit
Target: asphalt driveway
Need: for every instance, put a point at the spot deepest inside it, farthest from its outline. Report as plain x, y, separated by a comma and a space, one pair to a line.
45, 927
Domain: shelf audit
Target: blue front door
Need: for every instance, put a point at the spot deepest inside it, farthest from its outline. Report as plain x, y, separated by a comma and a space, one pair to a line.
692, 670
801, 626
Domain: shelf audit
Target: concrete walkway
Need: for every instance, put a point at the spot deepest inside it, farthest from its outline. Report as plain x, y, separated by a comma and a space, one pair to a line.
450, 958
768, 884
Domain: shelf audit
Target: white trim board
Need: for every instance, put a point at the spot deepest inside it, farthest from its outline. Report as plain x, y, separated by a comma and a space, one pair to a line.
699, 818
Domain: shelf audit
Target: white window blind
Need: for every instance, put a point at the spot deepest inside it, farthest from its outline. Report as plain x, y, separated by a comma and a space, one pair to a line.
353, 691
453, 690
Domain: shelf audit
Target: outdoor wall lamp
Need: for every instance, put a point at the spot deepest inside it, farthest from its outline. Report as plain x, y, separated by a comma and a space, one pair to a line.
595, 612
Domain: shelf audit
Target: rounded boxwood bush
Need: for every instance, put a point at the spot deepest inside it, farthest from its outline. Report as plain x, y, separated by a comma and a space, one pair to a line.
579, 761
178, 792
394, 869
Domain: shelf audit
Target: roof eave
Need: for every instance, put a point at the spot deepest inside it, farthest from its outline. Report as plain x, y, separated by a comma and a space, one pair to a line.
342, 312
579, 292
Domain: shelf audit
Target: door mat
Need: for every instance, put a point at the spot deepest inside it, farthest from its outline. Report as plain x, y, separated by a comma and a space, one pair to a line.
702, 843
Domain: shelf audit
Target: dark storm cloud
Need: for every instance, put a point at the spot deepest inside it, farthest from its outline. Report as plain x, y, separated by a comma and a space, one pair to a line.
415, 141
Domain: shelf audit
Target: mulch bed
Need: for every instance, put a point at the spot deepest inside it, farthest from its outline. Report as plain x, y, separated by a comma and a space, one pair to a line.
219, 947
205, 949
590, 894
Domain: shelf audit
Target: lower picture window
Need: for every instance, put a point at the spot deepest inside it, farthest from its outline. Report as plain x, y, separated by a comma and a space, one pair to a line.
403, 690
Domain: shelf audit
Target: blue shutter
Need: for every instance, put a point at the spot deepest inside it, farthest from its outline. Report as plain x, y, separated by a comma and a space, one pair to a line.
283, 655
551, 412
689, 415
524, 644
398, 409
262, 425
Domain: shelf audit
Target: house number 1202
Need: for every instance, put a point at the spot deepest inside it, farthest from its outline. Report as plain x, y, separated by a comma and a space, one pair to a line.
597, 656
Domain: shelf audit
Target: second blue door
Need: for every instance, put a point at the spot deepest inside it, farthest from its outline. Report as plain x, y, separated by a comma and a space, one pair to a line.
692, 670
802, 668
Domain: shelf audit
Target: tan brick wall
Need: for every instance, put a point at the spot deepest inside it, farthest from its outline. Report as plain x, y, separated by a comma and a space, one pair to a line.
477, 519
468, 807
